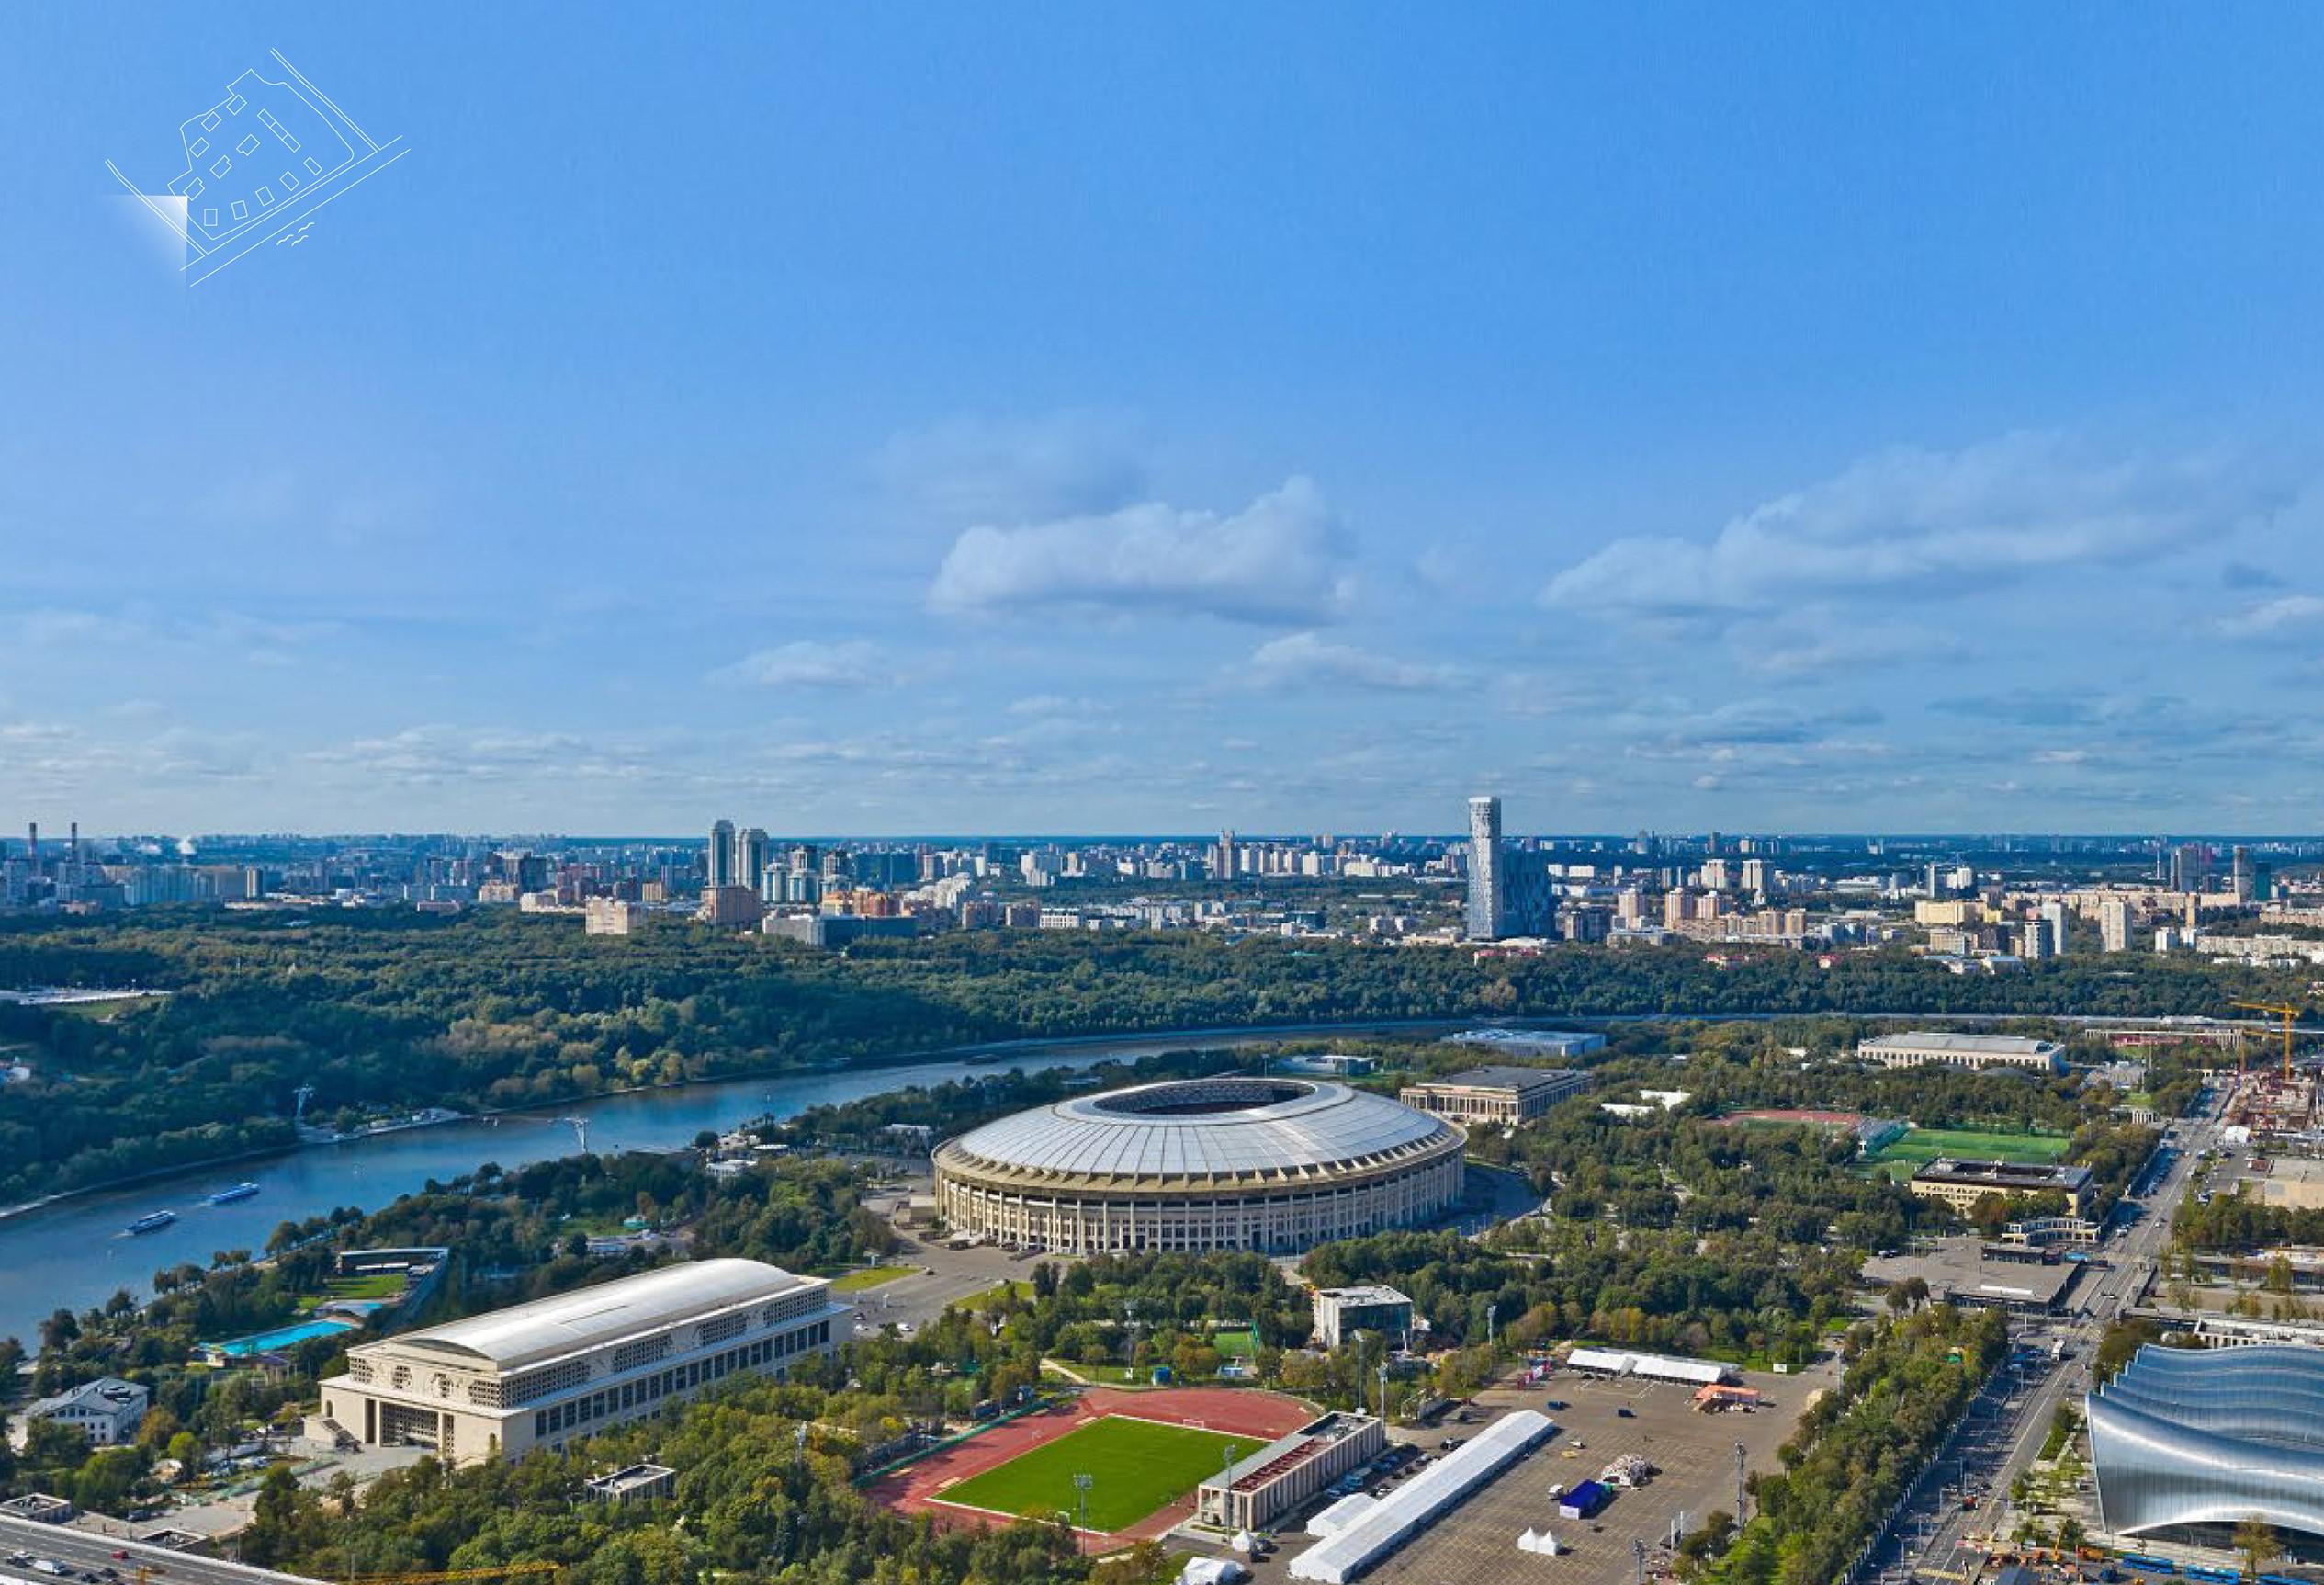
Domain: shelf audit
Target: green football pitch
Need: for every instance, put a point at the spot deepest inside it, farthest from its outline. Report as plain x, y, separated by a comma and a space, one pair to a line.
1135, 1466
1917, 1146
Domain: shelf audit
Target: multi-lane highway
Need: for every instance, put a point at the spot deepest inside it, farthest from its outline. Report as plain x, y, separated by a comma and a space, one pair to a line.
34, 1553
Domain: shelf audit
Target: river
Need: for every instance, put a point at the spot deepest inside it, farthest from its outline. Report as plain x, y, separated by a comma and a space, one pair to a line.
73, 1252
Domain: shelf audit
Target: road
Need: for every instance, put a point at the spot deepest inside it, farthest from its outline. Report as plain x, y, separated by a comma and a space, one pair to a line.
85, 1552
2004, 1429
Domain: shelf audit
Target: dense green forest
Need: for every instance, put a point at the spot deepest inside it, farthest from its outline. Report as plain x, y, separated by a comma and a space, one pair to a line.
383, 1009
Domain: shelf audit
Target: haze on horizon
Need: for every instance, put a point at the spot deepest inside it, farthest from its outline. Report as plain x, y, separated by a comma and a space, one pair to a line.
1062, 421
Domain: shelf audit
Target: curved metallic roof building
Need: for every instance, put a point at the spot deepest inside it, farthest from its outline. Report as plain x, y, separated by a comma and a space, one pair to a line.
2187, 1438
1228, 1162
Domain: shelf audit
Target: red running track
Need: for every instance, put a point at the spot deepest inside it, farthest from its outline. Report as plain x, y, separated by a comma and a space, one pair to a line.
917, 1487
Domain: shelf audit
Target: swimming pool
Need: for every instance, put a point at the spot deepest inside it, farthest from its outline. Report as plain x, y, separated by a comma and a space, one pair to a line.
281, 1337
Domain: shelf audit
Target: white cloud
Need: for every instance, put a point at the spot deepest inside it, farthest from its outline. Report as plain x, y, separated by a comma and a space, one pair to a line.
1932, 523
1306, 660
1283, 557
2269, 617
805, 664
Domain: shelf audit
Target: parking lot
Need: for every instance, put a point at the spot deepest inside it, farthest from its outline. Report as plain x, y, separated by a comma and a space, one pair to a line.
1695, 1453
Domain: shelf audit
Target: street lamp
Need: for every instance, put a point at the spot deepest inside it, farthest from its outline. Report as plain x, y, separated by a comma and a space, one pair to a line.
1081, 1484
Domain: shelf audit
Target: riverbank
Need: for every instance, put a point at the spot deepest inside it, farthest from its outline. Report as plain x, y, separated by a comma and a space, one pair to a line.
979, 1054
987, 1053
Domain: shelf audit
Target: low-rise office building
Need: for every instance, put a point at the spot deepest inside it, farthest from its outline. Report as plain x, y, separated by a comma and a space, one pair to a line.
535, 1374
1493, 1095
1961, 1183
1256, 1491
1924, 1048
1373, 1307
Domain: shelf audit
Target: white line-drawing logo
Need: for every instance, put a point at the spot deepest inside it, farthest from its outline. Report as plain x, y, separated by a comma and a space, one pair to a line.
258, 164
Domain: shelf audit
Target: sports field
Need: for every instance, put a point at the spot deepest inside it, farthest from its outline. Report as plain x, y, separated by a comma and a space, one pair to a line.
1917, 1146
1134, 1465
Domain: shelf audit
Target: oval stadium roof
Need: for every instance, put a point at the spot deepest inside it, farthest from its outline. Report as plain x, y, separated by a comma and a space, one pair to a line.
1205, 1130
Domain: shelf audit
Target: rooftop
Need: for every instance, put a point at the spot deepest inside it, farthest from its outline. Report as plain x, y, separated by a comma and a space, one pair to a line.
567, 1323
1967, 1045
1203, 1128
1365, 1294
1957, 1267
1507, 1078
2033, 1176
107, 1392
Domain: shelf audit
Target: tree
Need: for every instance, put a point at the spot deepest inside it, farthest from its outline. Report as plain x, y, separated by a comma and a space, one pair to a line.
1989, 1214
186, 1449
52, 1445
154, 1432
106, 1480
275, 1522
58, 1330
2255, 1538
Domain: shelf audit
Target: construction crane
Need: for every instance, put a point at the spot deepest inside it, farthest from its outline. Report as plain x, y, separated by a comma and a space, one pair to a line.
448, 1576
2288, 1014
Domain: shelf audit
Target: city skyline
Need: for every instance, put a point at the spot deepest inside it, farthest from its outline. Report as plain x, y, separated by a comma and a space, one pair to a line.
1755, 424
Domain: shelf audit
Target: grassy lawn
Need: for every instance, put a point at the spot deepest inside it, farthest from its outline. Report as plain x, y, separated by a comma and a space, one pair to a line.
101, 1011
1242, 1344
1111, 1374
378, 1286
993, 1295
1918, 1147
1135, 1466
856, 1281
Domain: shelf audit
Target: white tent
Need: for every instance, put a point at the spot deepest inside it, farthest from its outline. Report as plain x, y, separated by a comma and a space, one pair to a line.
1211, 1572
1427, 1497
1656, 1367
1342, 1513
1243, 1542
1545, 1543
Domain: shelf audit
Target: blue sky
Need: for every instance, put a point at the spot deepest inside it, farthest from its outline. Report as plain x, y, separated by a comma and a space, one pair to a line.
1092, 418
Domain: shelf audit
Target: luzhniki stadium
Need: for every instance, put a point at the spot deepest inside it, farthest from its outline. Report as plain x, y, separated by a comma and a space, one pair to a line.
1223, 1163
2186, 1443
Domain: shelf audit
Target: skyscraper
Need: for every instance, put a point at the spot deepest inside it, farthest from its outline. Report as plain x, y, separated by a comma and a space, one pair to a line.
752, 851
719, 870
1222, 857
1487, 899
2114, 924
